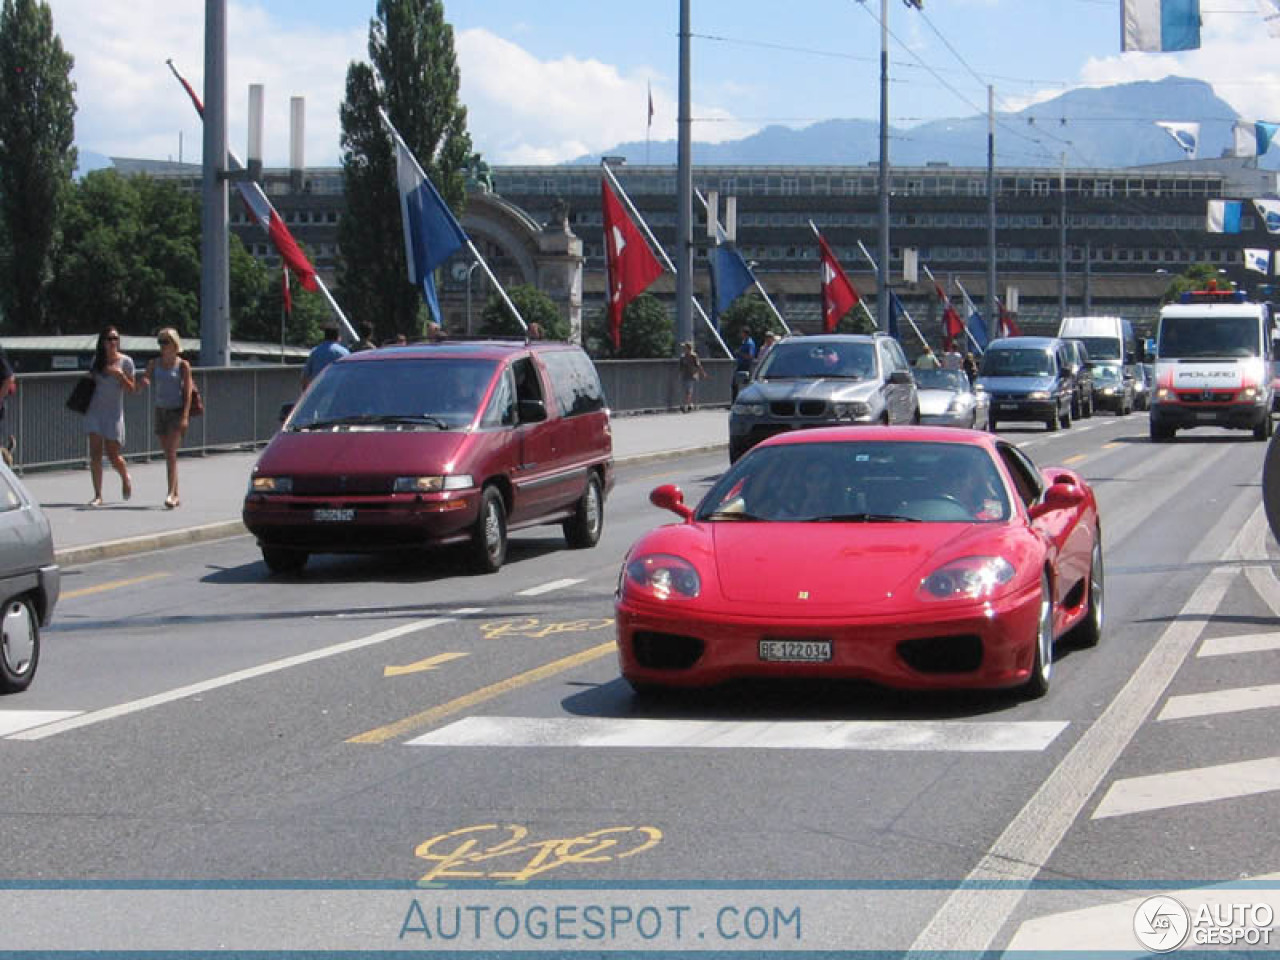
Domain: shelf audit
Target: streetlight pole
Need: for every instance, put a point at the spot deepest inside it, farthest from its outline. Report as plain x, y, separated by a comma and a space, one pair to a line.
684, 190
882, 273
470, 270
215, 311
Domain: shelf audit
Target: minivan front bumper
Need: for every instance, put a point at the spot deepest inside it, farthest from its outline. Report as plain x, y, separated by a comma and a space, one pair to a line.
361, 524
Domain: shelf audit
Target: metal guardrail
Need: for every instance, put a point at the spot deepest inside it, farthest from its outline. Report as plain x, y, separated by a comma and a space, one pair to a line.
242, 407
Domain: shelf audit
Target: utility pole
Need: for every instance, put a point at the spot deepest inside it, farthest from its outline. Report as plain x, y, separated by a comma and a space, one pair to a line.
883, 271
215, 283
684, 202
1062, 239
993, 312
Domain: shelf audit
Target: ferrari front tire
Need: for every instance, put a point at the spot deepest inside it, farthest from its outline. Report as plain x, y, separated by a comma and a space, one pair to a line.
1042, 664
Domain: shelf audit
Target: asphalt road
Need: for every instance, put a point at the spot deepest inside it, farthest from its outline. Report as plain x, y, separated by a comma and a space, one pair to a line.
196, 719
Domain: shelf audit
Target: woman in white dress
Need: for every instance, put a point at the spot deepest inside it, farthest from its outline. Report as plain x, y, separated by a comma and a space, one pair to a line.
104, 420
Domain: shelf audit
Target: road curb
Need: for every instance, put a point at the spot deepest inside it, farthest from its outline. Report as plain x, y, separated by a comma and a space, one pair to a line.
114, 549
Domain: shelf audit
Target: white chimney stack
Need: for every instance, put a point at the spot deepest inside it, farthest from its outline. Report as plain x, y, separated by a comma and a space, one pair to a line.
297, 133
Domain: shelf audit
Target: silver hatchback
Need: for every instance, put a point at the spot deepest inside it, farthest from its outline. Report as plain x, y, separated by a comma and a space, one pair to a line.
29, 582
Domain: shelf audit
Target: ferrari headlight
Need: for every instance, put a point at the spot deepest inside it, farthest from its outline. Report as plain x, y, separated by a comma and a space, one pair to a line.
1038, 395
969, 578
662, 576
461, 481
271, 485
748, 409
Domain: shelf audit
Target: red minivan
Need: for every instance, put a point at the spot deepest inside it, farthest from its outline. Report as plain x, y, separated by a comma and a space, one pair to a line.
453, 442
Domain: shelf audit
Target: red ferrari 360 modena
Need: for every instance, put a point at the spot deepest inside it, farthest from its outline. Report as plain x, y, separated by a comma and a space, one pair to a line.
914, 557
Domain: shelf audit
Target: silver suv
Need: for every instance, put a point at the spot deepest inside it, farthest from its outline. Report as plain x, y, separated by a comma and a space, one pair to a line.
823, 381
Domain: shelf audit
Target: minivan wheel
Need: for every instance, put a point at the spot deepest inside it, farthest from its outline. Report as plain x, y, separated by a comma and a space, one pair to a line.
19, 645
582, 531
283, 559
489, 537
1051, 423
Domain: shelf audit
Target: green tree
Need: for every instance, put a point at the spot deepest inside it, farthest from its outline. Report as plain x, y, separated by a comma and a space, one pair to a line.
413, 75
257, 301
534, 306
37, 159
647, 331
1198, 276
752, 313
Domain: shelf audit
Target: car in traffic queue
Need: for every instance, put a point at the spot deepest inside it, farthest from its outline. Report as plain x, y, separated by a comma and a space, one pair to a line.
30, 582
947, 399
456, 442
1115, 390
822, 381
1078, 362
1141, 388
922, 558
1028, 378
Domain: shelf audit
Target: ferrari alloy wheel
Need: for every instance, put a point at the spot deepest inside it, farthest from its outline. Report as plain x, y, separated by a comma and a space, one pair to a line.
583, 529
1089, 632
19, 645
1042, 667
489, 537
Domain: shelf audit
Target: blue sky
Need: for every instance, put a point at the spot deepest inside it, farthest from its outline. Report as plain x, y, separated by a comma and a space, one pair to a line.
549, 80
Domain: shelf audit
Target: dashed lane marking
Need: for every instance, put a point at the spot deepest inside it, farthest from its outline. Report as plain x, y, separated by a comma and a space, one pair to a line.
548, 587
1246, 643
1221, 701
943, 736
1160, 791
111, 585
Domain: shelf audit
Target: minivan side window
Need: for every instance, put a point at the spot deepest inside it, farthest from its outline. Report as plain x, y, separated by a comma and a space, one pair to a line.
528, 384
575, 382
501, 411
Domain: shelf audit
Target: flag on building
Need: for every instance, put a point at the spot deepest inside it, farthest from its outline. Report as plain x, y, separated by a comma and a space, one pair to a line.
1185, 135
631, 264
952, 325
1269, 211
1223, 216
1160, 25
1259, 261
1254, 139
1270, 10
730, 278
432, 233
839, 295
264, 214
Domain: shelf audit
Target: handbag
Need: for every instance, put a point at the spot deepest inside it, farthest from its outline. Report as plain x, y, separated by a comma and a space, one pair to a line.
197, 401
82, 394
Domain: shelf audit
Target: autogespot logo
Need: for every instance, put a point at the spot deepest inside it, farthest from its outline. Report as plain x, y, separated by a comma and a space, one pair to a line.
1161, 924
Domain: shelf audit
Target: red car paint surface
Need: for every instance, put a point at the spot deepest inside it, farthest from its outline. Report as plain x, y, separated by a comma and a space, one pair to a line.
854, 577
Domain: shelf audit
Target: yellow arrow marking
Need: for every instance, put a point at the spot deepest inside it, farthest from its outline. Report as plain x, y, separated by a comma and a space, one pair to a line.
110, 585
428, 664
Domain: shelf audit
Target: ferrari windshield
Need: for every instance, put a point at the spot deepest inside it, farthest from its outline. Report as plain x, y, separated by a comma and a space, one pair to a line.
860, 482
804, 360
433, 394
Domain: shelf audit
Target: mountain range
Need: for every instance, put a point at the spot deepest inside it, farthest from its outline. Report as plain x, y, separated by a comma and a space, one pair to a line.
1096, 127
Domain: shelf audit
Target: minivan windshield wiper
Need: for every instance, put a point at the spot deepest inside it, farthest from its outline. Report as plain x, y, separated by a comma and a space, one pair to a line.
373, 418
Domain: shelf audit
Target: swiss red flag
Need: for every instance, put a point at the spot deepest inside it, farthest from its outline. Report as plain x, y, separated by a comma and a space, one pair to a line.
952, 325
265, 215
1008, 326
838, 295
632, 265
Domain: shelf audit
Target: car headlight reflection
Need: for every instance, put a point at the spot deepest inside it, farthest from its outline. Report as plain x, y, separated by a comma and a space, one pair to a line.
969, 578
662, 576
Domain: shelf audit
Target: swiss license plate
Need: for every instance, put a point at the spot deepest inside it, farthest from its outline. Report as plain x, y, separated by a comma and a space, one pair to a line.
795, 651
1007, 406
333, 515
1206, 415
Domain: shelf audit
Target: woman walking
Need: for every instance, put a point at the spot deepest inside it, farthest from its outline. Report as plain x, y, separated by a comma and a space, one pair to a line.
173, 385
112, 373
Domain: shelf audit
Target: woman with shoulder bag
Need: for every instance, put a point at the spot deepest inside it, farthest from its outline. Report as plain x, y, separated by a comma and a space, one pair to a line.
112, 373
174, 389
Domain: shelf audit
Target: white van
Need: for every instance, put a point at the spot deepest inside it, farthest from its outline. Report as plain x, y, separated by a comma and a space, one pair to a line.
1212, 367
1109, 340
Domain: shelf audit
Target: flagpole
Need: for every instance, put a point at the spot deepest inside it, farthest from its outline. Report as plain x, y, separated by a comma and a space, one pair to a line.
470, 246
905, 312
971, 309
758, 285
653, 242
963, 323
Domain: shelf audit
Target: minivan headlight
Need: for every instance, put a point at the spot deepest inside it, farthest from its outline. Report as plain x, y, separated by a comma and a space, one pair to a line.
1038, 395
461, 481
271, 485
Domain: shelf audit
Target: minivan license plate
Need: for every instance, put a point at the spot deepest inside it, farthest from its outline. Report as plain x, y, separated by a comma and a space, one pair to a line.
330, 515
795, 651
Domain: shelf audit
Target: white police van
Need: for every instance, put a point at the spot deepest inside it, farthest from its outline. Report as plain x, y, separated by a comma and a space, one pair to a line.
1212, 367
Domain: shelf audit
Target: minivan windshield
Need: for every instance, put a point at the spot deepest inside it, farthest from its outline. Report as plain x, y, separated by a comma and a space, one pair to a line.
1189, 336
1102, 348
435, 394
803, 360
1008, 362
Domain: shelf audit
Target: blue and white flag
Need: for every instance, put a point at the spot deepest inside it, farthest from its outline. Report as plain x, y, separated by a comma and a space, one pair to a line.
730, 276
1269, 211
1224, 216
1160, 25
1185, 135
976, 326
431, 232
897, 312
1254, 139
1259, 261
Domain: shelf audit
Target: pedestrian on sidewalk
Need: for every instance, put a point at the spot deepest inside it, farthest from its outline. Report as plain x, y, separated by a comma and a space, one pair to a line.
112, 373
323, 354
172, 398
691, 371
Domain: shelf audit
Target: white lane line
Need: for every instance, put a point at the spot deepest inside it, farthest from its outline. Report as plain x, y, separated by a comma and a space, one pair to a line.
949, 736
1221, 701
180, 693
1182, 787
11, 721
1247, 643
467, 611
547, 588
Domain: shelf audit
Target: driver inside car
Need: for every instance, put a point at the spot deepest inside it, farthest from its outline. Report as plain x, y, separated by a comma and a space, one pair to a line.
975, 489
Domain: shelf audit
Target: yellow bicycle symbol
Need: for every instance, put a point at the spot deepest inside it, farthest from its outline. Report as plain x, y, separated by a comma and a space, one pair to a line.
532, 627
473, 846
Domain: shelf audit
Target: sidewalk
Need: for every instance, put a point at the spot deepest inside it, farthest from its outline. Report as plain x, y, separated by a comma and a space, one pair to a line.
213, 489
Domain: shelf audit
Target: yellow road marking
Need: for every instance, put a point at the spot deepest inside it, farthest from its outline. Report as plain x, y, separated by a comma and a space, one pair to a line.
1110, 446
428, 717
1076, 459
421, 665
112, 585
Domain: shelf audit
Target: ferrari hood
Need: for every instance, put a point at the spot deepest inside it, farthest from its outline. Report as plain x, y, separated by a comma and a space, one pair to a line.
813, 565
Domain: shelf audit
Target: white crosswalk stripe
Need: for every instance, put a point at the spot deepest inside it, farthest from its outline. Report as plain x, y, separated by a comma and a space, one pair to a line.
1221, 701
1160, 791
11, 721
943, 736
1248, 643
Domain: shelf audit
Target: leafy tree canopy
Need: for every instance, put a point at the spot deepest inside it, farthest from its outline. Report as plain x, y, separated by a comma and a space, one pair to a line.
534, 306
